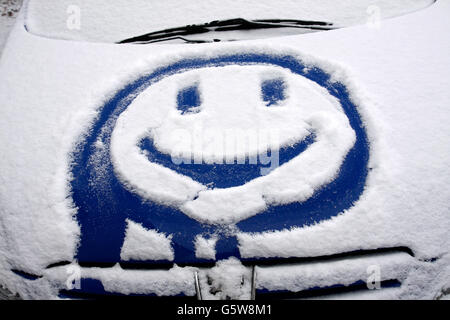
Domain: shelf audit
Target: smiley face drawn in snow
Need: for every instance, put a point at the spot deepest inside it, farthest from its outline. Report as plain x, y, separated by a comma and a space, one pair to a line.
181, 151
224, 108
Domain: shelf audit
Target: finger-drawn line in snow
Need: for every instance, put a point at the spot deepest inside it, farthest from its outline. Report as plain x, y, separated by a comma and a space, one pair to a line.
107, 195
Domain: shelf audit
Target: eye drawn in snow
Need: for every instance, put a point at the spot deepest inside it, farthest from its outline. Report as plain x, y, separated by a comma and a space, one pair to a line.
201, 149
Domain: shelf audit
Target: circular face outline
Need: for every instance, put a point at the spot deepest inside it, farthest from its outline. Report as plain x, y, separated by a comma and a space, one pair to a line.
104, 204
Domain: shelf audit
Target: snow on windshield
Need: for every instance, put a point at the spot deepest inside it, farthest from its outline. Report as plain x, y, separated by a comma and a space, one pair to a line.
101, 21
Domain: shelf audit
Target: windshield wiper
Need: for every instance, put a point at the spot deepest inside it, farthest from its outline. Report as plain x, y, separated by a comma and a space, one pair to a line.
225, 25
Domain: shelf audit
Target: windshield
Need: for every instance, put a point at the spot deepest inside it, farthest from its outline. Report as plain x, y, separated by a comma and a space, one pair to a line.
114, 21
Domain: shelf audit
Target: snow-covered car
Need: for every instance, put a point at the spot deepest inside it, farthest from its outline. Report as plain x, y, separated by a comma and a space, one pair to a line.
226, 149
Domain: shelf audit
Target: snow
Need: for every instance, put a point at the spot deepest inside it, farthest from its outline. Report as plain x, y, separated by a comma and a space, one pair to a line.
397, 75
129, 18
143, 244
8, 12
205, 248
300, 277
117, 280
228, 279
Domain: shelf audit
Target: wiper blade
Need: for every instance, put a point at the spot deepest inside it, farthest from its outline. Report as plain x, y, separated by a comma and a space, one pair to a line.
225, 25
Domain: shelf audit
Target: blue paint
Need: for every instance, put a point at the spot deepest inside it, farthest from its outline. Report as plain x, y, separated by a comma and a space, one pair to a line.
224, 175
93, 289
188, 98
357, 286
103, 206
273, 91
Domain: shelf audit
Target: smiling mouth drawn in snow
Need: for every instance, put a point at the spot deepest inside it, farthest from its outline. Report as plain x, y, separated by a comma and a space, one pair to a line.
212, 145
216, 154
